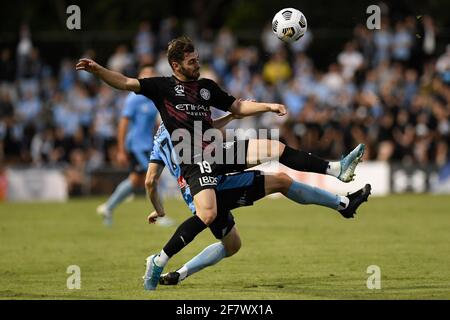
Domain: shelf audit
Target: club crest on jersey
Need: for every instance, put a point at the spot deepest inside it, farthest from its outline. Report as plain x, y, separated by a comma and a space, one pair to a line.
179, 89
205, 94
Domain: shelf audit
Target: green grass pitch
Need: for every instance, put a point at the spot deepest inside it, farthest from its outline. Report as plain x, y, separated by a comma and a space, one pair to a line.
289, 251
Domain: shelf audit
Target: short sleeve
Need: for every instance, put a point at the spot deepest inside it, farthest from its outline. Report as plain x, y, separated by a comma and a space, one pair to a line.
155, 157
219, 98
149, 87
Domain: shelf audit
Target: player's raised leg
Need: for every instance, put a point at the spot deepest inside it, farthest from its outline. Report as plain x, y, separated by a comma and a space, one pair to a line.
306, 194
271, 183
263, 150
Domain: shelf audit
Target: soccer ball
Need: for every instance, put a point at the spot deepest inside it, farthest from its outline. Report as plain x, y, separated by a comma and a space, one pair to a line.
289, 24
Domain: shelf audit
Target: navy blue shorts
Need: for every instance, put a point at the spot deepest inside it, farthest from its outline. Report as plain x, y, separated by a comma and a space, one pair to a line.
139, 161
234, 191
240, 189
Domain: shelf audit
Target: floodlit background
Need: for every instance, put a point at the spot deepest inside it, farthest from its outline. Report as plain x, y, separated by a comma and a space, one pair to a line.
342, 83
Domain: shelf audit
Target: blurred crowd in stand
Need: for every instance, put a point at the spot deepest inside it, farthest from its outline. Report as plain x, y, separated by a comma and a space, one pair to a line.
387, 88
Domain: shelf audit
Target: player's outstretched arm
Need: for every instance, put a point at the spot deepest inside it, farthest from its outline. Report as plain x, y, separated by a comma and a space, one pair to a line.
114, 79
223, 121
154, 172
246, 108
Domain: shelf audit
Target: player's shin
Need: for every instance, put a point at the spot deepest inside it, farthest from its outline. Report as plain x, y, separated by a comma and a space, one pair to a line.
208, 257
305, 194
303, 161
185, 233
123, 190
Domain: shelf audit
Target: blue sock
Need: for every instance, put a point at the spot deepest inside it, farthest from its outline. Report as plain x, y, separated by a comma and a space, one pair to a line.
208, 257
305, 194
123, 190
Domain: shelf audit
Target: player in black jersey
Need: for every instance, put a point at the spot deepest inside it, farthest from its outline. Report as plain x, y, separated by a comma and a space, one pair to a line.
184, 102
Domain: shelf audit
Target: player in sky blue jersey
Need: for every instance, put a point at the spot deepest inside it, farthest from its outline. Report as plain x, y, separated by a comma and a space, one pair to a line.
135, 143
233, 191
162, 154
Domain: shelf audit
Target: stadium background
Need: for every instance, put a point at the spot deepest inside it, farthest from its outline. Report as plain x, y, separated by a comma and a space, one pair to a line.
342, 83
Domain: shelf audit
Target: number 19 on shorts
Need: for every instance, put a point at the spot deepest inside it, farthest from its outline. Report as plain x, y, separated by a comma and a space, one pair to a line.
204, 167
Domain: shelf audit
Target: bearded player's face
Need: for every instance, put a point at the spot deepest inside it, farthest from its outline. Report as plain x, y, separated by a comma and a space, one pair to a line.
190, 66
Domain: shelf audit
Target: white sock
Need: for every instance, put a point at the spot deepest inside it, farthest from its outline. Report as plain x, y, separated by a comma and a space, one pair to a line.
161, 259
343, 203
334, 168
183, 271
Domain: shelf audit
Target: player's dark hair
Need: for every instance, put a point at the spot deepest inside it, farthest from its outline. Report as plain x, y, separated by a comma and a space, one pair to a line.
178, 47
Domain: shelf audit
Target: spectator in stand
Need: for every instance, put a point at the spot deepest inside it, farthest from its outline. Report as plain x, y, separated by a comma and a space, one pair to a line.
443, 65
144, 42
277, 69
372, 91
270, 44
29, 108
121, 61
402, 43
226, 40
383, 40
350, 60
7, 69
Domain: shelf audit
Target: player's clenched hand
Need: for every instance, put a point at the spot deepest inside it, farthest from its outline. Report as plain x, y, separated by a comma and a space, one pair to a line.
278, 109
152, 217
88, 65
